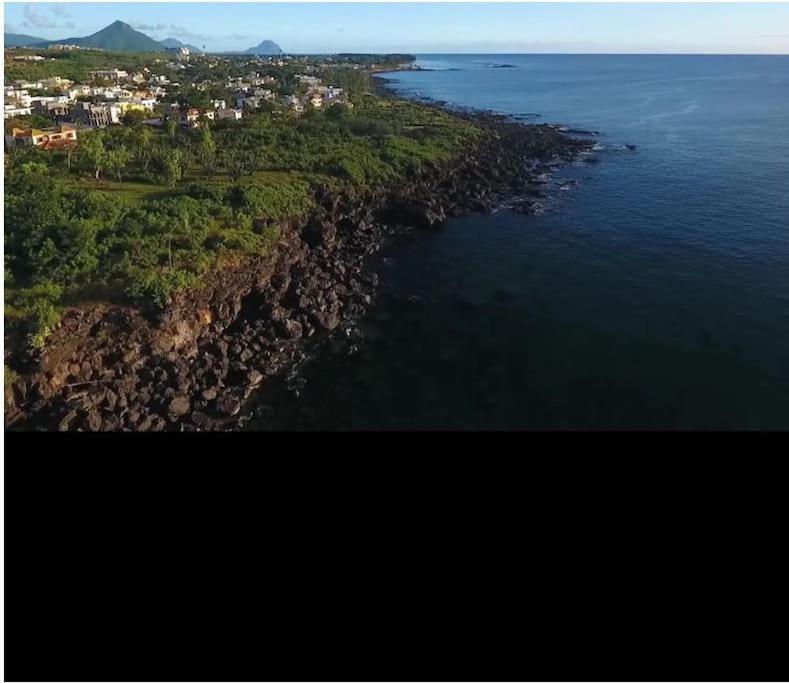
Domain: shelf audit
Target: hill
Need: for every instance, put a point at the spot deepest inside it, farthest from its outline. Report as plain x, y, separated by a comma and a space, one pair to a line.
266, 47
21, 40
117, 37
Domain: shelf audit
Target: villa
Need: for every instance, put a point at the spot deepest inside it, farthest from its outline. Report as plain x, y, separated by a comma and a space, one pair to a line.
47, 138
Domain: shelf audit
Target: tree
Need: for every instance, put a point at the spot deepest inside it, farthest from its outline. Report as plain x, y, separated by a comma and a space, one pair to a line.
143, 138
133, 117
92, 152
172, 167
237, 164
117, 159
70, 149
172, 128
206, 151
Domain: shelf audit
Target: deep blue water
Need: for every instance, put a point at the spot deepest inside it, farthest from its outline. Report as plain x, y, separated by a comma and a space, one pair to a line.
654, 294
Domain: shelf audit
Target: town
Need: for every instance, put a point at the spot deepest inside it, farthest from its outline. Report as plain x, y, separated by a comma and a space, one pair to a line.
185, 87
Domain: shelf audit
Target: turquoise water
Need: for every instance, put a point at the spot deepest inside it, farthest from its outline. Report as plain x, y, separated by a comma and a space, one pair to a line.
654, 293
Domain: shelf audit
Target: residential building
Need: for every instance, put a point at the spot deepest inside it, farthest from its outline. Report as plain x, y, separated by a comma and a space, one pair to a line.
229, 114
52, 107
12, 110
56, 83
110, 74
137, 104
97, 115
48, 138
190, 118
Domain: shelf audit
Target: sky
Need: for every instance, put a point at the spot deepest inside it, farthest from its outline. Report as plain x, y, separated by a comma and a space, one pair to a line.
427, 27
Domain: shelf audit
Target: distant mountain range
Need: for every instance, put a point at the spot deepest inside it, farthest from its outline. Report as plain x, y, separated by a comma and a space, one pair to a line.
266, 47
119, 37
20, 40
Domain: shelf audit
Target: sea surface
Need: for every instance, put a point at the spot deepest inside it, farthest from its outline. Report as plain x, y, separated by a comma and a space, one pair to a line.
652, 293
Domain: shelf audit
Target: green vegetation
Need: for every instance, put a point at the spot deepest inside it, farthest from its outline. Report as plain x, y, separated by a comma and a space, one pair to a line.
75, 65
136, 214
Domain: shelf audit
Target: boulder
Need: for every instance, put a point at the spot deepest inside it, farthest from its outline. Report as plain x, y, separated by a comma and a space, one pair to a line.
227, 404
179, 406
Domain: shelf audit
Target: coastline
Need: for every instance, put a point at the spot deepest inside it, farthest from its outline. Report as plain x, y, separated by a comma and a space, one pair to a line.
198, 366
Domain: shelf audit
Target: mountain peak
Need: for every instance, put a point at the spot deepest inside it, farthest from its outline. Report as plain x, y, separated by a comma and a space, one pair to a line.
118, 36
266, 47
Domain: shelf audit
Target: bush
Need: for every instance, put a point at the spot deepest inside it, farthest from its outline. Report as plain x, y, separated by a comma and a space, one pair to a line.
158, 286
34, 311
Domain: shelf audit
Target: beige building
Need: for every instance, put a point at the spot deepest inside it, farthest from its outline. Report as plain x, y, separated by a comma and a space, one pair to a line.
48, 138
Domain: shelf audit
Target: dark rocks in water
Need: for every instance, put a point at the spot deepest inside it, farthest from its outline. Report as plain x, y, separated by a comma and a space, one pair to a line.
591, 160
503, 66
630, 147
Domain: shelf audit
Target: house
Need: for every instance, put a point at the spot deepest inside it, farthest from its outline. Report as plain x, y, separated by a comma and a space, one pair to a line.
229, 114
83, 90
218, 104
52, 107
333, 93
114, 75
190, 118
248, 102
28, 58
137, 104
97, 115
12, 110
309, 81
56, 83
294, 103
19, 97
263, 94
48, 138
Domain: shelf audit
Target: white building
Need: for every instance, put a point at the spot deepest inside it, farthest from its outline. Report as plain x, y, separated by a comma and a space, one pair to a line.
110, 74
12, 110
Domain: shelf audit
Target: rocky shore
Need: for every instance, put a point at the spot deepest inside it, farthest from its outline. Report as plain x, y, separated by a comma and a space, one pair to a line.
195, 366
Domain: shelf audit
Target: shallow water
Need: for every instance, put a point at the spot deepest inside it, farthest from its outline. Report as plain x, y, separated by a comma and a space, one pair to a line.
652, 294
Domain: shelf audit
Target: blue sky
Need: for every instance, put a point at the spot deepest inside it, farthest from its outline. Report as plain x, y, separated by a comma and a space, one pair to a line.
429, 27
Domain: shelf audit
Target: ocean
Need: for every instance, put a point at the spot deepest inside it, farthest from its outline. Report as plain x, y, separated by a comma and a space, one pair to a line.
653, 293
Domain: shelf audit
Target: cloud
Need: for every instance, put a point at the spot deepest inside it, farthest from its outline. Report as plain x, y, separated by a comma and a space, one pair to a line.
183, 32
237, 36
35, 20
147, 27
